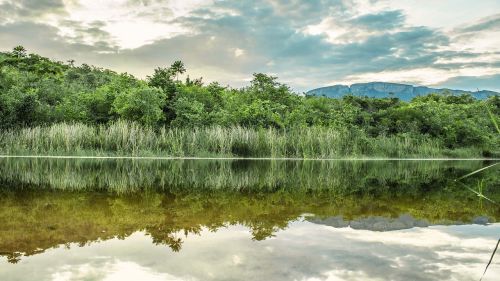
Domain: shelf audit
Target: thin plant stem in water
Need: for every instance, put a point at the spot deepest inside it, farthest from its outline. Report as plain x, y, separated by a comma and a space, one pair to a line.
479, 193
477, 171
491, 259
498, 242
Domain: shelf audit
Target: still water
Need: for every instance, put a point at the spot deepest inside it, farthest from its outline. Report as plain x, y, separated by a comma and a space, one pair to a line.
64, 219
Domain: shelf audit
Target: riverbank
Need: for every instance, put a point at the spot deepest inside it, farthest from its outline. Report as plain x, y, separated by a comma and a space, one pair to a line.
128, 139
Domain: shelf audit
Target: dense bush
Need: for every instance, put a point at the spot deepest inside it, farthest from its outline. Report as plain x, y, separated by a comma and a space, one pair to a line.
35, 91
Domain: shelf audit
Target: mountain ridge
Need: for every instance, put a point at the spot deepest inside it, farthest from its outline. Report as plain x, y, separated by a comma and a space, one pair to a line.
386, 89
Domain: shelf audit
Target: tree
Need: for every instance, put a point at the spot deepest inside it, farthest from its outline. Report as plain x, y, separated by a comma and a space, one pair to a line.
262, 82
178, 68
98, 104
162, 79
189, 113
19, 51
267, 87
194, 82
142, 104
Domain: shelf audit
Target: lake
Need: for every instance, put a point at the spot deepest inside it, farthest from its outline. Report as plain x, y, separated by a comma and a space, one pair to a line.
146, 219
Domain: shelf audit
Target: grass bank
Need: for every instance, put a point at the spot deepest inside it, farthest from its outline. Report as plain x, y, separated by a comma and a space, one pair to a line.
128, 138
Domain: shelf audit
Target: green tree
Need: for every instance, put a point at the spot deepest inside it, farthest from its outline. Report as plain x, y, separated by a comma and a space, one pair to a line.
162, 79
142, 104
189, 113
178, 68
19, 51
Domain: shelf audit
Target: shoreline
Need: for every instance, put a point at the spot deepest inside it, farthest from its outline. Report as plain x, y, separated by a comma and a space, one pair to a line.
244, 158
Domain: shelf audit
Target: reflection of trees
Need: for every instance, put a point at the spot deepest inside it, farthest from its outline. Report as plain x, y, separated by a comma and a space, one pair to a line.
14, 257
166, 238
261, 231
165, 235
32, 221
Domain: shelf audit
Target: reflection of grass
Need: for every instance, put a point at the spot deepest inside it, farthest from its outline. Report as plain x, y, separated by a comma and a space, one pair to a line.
126, 176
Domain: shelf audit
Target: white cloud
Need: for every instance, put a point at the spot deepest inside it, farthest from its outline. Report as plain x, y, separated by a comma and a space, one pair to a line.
129, 25
443, 14
238, 52
477, 58
306, 44
479, 42
135, 33
427, 76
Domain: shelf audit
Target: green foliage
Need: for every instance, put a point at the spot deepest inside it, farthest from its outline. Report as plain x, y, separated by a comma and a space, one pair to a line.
141, 104
36, 91
493, 120
178, 68
162, 79
19, 52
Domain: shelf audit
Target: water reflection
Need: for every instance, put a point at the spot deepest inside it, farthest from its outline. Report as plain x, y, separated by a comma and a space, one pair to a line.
304, 251
347, 220
128, 176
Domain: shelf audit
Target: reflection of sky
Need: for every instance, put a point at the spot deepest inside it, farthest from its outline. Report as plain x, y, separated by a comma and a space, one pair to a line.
304, 251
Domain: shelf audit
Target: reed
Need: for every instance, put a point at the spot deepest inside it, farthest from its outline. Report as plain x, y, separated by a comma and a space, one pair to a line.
129, 138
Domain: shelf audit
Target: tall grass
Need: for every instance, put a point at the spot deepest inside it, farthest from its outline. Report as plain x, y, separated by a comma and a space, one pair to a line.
128, 138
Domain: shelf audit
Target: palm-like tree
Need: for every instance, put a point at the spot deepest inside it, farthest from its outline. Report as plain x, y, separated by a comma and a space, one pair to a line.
178, 68
19, 51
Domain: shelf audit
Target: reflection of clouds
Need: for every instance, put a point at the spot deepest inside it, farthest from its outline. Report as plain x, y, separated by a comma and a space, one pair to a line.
420, 237
81, 272
111, 271
304, 251
417, 254
236, 260
340, 274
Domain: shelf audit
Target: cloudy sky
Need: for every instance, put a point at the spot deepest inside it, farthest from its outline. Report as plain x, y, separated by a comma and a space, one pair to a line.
307, 44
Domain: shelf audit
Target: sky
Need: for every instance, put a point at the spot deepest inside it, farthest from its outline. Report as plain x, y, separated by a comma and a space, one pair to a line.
307, 44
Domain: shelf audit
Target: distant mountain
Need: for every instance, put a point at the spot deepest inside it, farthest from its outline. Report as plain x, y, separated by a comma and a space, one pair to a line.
384, 90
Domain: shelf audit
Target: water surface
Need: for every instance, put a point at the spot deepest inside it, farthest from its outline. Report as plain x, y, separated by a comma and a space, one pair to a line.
64, 219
